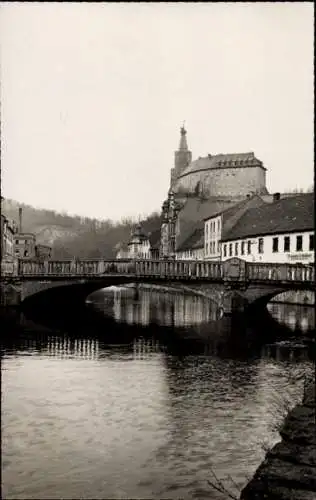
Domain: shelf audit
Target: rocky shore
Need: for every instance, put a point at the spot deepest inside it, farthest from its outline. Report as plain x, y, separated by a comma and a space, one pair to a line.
289, 469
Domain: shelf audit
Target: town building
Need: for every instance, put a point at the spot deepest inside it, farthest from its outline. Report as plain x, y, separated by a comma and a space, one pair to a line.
140, 246
24, 245
8, 230
216, 225
282, 231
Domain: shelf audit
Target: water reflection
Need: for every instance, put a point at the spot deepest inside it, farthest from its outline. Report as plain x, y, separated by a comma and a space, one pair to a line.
134, 421
90, 416
157, 307
295, 317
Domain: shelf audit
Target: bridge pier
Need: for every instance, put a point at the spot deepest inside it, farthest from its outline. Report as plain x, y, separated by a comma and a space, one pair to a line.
233, 301
10, 294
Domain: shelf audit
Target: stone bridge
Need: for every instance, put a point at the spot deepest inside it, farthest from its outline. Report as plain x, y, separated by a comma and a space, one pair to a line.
233, 284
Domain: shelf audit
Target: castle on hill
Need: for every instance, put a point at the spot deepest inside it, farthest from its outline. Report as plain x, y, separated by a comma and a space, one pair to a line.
221, 175
218, 207
203, 187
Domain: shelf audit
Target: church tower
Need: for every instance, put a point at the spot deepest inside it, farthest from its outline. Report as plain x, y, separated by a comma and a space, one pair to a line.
182, 157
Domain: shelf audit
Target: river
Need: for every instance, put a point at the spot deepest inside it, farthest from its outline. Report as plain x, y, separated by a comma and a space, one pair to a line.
88, 415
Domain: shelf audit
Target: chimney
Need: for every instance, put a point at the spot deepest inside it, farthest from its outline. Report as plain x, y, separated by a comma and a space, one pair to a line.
20, 220
276, 196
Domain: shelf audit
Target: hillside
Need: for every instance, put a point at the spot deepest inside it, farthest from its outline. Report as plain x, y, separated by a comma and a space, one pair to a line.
77, 236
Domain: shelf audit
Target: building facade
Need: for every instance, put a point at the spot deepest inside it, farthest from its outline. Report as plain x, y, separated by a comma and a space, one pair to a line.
24, 246
296, 247
140, 246
280, 232
8, 231
213, 235
221, 222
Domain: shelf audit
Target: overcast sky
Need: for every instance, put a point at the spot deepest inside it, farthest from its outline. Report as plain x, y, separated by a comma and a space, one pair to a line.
93, 97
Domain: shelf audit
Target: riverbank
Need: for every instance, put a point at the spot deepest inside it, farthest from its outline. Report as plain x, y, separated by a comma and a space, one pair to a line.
289, 469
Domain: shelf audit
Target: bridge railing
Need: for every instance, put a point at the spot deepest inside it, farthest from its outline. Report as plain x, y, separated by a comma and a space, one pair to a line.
175, 269
161, 268
280, 272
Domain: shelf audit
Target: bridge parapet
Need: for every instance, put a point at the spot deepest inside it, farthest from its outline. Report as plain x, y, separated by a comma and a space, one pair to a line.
280, 272
98, 268
230, 271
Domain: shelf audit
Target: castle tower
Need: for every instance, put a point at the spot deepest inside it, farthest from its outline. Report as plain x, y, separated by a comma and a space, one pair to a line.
182, 157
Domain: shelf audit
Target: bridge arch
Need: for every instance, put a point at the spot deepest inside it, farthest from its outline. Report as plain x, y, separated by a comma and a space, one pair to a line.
258, 297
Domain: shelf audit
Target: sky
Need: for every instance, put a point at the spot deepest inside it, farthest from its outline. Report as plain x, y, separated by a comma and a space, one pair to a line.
93, 96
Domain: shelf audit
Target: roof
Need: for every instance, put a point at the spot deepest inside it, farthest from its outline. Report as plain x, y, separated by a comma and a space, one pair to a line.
195, 210
223, 161
195, 240
233, 207
282, 216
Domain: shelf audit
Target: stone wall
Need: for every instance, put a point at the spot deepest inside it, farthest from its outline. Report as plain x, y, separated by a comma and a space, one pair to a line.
232, 181
289, 469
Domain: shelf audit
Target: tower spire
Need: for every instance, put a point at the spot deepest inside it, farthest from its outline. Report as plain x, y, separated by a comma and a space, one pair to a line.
182, 157
183, 139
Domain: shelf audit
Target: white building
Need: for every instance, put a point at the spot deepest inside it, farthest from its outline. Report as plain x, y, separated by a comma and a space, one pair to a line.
140, 246
280, 232
218, 224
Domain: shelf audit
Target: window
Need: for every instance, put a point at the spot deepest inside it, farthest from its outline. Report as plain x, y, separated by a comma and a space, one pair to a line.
299, 243
16, 242
236, 248
230, 249
286, 243
218, 224
275, 244
260, 245
248, 247
218, 247
225, 250
242, 248
25, 253
311, 242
